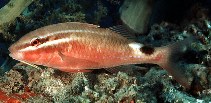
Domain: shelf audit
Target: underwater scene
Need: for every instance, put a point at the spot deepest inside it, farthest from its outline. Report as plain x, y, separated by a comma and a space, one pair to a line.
105, 51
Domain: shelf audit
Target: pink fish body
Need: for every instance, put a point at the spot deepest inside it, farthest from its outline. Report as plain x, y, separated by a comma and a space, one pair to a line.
76, 46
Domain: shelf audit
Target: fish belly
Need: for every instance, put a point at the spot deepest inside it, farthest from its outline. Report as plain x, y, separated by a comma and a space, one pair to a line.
79, 57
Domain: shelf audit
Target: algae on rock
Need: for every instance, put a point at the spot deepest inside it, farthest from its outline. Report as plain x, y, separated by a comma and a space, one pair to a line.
12, 10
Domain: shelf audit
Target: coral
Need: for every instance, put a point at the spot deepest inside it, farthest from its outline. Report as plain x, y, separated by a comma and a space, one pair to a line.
171, 94
122, 87
12, 82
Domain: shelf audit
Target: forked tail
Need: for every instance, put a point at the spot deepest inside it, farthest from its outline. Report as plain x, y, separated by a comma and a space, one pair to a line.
168, 62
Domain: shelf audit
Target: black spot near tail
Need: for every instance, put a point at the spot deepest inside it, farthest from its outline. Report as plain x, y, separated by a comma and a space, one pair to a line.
147, 50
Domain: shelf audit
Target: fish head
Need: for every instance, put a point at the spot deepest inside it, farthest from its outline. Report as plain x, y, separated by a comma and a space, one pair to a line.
26, 48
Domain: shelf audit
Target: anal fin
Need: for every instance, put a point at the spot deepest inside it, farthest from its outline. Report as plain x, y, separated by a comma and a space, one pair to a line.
124, 68
71, 70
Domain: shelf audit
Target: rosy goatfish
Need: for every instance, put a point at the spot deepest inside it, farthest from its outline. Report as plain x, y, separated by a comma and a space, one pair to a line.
79, 47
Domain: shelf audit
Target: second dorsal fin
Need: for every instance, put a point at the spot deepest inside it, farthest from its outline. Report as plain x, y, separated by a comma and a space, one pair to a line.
124, 31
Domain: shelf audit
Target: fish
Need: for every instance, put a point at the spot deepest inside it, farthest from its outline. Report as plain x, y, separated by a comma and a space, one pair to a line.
81, 47
132, 10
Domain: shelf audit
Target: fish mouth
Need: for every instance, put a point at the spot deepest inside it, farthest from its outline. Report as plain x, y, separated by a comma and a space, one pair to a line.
15, 54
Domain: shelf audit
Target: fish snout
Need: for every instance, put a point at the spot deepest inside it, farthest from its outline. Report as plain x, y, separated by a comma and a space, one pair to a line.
14, 53
11, 48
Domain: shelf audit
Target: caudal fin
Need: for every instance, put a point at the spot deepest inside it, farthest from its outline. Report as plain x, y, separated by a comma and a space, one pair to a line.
169, 61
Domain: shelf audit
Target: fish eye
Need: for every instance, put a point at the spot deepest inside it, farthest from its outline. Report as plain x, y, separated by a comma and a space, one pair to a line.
35, 42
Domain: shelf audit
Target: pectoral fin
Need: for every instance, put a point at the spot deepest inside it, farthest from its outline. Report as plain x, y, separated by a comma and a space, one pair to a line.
73, 64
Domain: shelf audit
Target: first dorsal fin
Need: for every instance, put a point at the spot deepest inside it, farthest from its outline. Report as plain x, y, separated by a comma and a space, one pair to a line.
82, 24
124, 31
